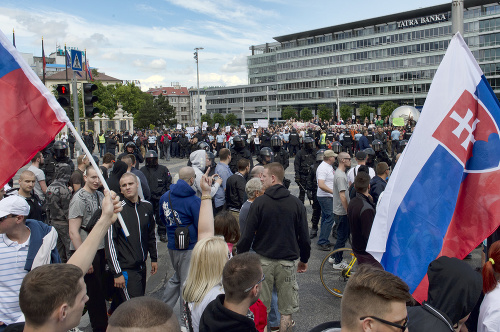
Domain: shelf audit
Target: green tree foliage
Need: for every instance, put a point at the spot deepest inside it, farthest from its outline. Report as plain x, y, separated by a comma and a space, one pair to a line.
107, 103
306, 114
130, 96
231, 119
324, 113
207, 118
218, 118
365, 110
387, 108
157, 112
345, 112
288, 113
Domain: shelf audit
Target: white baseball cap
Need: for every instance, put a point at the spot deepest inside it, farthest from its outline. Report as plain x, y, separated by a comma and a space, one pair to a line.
15, 205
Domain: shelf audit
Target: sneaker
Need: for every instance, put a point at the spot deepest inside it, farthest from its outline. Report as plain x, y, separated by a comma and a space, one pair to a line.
163, 238
325, 247
313, 233
331, 260
340, 266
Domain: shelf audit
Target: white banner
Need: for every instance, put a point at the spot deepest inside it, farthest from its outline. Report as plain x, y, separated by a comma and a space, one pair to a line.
263, 123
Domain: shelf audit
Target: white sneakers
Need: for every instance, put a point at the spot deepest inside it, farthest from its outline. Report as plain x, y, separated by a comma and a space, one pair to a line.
340, 266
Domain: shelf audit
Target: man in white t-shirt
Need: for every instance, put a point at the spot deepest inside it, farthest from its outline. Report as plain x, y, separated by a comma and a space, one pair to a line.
40, 185
361, 160
324, 176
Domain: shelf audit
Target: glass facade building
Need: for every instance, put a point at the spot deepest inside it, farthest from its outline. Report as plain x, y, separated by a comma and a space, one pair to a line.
389, 58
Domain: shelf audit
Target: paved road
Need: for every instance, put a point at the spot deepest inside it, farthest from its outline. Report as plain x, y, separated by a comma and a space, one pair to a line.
316, 304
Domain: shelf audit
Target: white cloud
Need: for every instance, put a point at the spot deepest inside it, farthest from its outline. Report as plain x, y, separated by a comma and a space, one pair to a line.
237, 64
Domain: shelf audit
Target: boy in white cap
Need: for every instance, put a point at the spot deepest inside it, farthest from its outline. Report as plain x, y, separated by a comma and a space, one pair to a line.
24, 245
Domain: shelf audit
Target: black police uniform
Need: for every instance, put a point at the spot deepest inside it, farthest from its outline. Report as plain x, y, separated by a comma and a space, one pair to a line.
302, 164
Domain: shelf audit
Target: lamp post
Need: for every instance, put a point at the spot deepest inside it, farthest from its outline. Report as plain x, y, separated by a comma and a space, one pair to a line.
243, 110
267, 99
198, 114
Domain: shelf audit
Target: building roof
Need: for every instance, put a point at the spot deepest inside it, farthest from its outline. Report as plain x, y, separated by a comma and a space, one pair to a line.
61, 76
169, 91
380, 20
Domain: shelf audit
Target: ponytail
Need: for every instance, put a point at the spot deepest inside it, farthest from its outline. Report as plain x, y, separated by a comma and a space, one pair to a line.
490, 267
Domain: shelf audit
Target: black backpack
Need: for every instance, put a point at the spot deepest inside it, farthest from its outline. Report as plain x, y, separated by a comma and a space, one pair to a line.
182, 238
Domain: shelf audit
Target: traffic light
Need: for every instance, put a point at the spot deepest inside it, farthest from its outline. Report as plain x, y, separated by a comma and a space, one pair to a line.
63, 95
90, 99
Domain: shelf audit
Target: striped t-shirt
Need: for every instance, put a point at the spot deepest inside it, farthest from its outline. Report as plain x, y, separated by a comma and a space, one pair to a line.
12, 261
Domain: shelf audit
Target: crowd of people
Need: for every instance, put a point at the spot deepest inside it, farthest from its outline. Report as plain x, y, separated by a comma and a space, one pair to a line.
235, 234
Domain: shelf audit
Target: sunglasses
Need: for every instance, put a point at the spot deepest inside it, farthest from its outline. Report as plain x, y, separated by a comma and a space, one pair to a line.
383, 321
261, 280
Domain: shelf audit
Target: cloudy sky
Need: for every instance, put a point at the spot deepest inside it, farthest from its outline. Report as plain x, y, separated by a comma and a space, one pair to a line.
153, 40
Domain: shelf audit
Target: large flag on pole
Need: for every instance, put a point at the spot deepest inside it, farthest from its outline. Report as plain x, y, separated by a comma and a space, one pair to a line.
31, 116
44, 63
443, 196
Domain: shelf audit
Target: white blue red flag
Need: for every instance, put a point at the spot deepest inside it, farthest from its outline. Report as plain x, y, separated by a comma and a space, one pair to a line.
31, 116
443, 197
89, 72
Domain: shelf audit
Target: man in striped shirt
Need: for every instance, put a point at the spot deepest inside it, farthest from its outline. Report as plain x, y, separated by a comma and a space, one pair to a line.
20, 244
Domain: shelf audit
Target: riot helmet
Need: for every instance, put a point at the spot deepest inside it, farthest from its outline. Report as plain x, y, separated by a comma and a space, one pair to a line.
130, 145
308, 143
151, 158
371, 156
238, 142
203, 146
336, 147
266, 155
276, 142
377, 145
59, 149
320, 154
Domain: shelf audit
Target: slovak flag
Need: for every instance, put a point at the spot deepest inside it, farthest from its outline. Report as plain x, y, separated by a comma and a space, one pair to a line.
31, 116
443, 196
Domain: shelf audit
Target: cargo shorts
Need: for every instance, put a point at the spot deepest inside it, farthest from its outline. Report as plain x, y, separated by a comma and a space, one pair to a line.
283, 274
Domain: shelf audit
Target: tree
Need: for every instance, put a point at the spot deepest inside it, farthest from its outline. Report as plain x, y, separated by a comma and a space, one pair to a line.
306, 114
365, 110
107, 101
288, 113
231, 119
157, 112
324, 113
207, 118
130, 96
345, 112
218, 118
387, 108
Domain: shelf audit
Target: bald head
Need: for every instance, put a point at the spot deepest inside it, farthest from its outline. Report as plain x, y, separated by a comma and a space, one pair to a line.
344, 155
186, 173
256, 171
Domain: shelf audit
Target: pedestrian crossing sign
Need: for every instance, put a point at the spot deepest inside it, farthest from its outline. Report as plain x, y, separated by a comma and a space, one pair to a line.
76, 60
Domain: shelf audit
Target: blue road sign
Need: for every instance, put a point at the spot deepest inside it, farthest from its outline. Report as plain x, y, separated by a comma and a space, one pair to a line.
76, 60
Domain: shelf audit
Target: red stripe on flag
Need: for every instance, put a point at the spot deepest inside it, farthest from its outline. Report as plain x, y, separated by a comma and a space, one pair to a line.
28, 123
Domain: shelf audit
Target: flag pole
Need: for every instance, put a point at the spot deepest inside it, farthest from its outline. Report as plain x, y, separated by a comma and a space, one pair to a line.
96, 168
43, 63
86, 78
66, 60
13, 38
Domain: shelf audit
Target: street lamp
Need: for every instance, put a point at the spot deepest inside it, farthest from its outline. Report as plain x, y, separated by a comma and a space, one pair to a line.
198, 114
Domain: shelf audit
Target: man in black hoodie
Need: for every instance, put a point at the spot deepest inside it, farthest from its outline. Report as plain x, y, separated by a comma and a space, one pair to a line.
277, 225
242, 279
454, 289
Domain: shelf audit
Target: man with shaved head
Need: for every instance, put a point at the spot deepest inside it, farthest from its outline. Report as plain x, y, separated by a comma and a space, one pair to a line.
180, 210
257, 172
27, 182
340, 203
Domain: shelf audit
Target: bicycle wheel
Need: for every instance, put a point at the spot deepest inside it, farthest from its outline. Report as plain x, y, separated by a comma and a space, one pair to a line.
335, 280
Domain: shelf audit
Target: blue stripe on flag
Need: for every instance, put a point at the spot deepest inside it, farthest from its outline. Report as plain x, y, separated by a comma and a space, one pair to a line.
7, 62
488, 98
422, 218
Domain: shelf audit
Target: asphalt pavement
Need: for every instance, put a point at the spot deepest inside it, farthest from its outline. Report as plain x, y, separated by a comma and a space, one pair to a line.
316, 304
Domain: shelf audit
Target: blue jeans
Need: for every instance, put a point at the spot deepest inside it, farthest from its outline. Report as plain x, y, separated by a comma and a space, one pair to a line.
274, 317
342, 235
326, 204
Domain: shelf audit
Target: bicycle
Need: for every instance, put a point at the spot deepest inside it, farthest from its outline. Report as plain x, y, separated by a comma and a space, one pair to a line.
335, 280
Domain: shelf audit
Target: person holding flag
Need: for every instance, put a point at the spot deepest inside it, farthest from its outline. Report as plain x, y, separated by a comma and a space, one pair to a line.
442, 196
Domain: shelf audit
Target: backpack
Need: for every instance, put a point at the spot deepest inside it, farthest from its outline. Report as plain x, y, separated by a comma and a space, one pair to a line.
182, 238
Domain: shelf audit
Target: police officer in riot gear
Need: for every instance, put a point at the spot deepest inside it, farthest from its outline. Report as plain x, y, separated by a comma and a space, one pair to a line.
266, 156
281, 156
370, 136
294, 142
347, 143
380, 154
159, 180
238, 151
131, 148
370, 161
312, 187
302, 165
201, 146
59, 155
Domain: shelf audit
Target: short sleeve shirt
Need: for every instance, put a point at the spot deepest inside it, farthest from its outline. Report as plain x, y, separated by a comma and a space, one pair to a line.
325, 173
40, 176
83, 205
339, 184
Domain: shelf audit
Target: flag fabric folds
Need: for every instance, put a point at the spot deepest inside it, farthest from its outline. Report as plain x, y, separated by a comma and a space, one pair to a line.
89, 72
442, 197
31, 116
